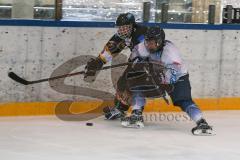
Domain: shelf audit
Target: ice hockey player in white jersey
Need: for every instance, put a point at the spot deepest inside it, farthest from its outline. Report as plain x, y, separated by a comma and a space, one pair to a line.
155, 48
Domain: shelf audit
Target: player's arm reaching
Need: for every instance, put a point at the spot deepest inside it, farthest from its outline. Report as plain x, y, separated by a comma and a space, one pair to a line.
126, 29
175, 68
114, 46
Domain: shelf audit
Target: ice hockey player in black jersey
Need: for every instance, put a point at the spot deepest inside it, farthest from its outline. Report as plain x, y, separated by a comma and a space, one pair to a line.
129, 34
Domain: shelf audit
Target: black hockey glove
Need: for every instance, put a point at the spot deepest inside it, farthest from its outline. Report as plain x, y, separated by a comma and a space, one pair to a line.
93, 65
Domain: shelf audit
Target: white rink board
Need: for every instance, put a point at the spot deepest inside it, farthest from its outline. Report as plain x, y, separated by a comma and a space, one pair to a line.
212, 57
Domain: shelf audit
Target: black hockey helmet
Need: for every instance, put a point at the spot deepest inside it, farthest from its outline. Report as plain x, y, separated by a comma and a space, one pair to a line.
157, 34
125, 19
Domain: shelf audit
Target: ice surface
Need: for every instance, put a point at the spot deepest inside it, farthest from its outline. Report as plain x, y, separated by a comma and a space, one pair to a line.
48, 138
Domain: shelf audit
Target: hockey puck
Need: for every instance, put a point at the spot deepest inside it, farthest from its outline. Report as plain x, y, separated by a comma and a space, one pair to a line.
89, 124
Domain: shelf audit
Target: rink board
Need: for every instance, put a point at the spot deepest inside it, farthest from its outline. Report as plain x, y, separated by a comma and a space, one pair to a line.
157, 105
38, 49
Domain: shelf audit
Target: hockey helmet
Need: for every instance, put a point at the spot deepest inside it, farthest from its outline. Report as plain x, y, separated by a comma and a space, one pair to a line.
154, 39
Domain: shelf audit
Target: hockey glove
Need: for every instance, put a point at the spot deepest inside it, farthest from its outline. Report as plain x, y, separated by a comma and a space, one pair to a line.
93, 65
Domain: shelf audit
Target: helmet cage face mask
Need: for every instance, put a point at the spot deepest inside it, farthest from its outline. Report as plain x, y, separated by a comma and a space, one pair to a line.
153, 45
124, 31
154, 39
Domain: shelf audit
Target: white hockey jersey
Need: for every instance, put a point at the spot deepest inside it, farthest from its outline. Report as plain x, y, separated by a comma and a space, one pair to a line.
169, 58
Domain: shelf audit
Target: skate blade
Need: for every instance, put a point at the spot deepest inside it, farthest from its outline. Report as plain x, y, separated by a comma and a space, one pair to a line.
113, 118
137, 125
205, 133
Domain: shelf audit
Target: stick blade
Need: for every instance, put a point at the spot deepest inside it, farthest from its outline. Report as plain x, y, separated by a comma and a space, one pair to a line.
18, 79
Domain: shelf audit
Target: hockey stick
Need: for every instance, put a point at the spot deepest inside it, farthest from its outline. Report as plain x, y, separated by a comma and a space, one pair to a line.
18, 79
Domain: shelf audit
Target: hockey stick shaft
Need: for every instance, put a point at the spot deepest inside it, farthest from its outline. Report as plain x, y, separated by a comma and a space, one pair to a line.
18, 79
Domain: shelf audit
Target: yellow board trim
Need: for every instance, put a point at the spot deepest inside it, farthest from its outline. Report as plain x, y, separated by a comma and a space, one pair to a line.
156, 105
